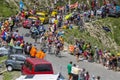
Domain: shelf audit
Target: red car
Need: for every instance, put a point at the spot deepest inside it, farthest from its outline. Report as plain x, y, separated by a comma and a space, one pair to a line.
36, 66
28, 22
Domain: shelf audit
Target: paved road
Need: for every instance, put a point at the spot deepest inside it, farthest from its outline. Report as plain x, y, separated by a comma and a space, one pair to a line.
59, 64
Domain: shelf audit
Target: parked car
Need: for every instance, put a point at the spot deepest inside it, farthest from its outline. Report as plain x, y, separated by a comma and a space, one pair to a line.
3, 51
99, 11
43, 17
42, 77
15, 62
15, 50
28, 22
36, 66
114, 13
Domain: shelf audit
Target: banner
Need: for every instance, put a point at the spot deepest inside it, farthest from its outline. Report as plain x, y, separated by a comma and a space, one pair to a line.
21, 4
75, 5
60, 8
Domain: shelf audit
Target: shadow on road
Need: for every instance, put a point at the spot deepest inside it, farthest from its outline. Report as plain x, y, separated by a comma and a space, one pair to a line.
27, 35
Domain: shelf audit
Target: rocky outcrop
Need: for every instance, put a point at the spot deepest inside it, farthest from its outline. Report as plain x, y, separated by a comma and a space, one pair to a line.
95, 30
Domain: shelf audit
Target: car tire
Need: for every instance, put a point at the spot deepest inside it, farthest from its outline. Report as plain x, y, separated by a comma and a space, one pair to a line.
9, 68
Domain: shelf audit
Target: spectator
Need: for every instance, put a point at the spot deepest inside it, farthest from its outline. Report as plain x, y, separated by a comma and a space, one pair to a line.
82, 74
69, 68
96, 55
75, 72
100, 55
77, 52
93, 77
98, 78
114, 62
87, 76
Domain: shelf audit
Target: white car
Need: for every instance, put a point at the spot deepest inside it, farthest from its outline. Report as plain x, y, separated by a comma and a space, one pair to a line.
41, 77
99, 12
4, 51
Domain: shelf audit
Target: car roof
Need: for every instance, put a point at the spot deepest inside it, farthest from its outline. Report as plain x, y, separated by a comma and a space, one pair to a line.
35, 61
41, 13
20, 55
39, 77
32, 17
17, 47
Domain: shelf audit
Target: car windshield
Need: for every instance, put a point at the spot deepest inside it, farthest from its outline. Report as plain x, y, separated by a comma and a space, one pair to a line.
18, 51
43, 68
40, 15
20, 58
31, 19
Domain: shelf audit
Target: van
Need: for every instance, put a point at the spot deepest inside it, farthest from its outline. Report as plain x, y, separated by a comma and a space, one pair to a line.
36, 66
43, 17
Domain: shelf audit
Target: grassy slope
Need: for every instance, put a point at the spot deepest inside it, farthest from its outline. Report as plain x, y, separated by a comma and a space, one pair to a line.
70, 35
112, 23
6, 9
11, 75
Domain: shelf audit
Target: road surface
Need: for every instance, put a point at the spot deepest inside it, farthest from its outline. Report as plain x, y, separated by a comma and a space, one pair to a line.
60, 64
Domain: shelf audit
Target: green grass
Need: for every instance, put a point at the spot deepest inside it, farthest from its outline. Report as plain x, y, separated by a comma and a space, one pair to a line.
7, 76
70, 35
3, 58
11, 75
6, 9
113, 24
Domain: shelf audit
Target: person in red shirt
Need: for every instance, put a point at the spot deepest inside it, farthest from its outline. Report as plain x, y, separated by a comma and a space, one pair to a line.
22, 15
37, 22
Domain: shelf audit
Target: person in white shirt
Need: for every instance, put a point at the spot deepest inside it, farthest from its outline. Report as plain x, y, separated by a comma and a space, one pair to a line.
75, 72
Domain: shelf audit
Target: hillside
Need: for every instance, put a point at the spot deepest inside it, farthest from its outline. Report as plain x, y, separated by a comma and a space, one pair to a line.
96, 35
6, 9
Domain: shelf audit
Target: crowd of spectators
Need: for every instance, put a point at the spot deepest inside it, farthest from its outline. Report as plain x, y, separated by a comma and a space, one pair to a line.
87, 52
77, 73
